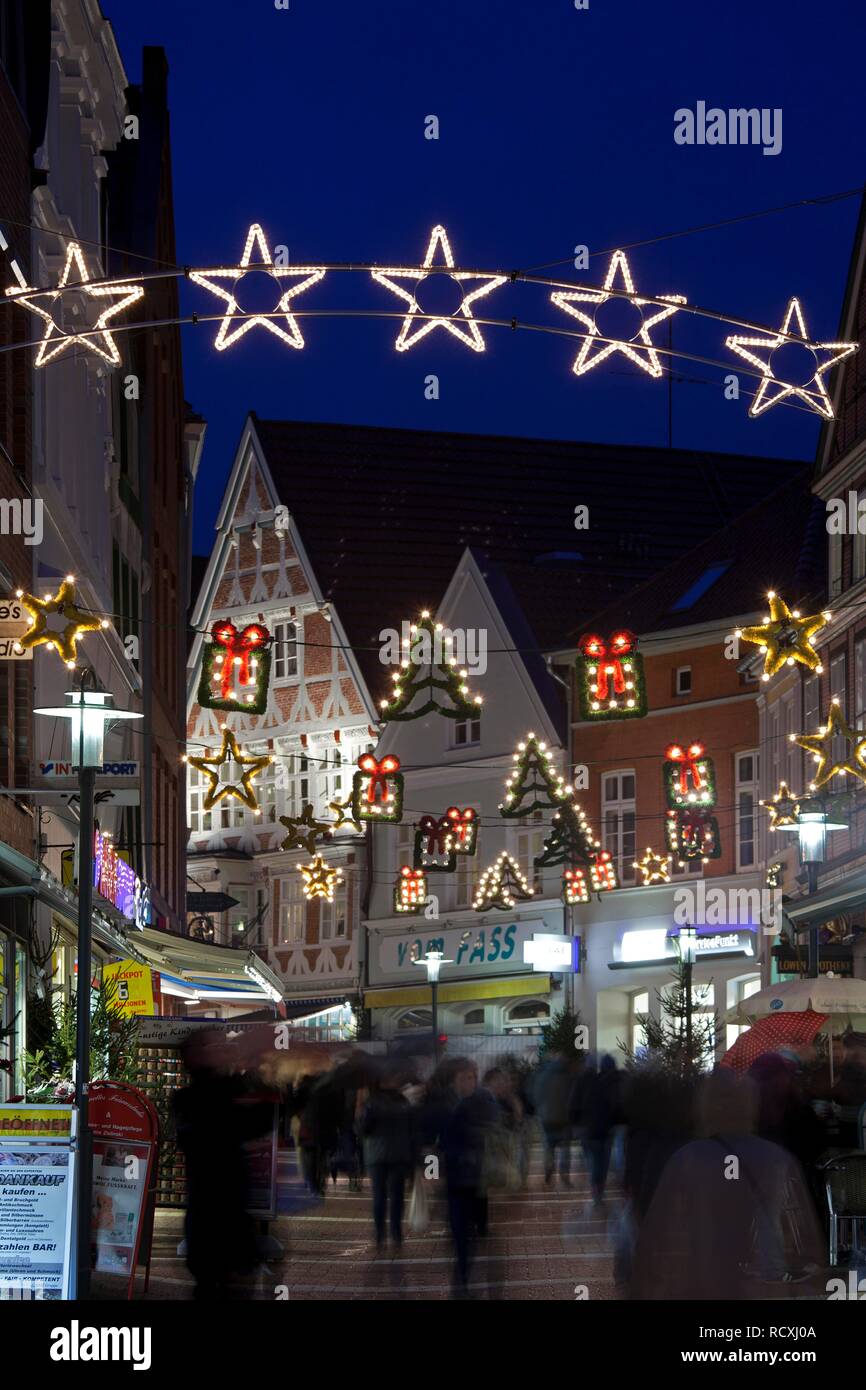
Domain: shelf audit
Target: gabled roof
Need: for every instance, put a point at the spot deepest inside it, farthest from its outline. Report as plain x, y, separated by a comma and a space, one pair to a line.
778, 544
386, 513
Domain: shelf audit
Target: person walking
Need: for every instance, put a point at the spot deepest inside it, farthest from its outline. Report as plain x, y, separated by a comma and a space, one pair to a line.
553, 1088
468, 1116
389, 1153
600, 1112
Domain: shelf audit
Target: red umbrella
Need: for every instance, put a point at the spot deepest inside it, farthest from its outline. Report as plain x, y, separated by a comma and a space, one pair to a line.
770, 1033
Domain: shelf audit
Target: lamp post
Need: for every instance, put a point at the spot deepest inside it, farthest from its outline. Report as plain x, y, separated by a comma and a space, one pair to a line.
811, 826
88, 712
432, 962
688, 950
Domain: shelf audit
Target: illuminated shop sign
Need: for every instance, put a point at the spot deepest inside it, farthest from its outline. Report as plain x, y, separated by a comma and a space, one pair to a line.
118, 883
487, 950
655, 943
548, 951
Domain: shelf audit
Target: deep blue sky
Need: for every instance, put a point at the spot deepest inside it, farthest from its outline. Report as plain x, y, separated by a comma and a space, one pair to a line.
556, 128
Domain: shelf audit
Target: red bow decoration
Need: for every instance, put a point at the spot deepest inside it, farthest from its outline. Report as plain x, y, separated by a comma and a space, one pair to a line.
687, 757
461, 821
378, 772
608, 656
238, 646
436, 833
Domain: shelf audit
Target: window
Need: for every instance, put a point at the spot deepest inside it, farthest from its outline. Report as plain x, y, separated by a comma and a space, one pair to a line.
858, 560
811, 720
746, 800
835, 566
266, 792
293, 911
331, 778
743, 989
199, 819
528, 846
474, 1017
860, 683
639, 1010
333, 917
415, 1019
618, 821
467, 731
466, 877
294, 776
838, 672
285, 651
528, 1018
683, 680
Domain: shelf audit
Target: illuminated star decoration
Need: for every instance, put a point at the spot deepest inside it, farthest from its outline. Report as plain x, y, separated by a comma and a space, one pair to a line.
783, 808
339, 809
786, 637
77, 621
319, 879
814, 393
638, 349
235, 315
242, 789
469, 334
655, 868
820, 745
107, 348
304, 830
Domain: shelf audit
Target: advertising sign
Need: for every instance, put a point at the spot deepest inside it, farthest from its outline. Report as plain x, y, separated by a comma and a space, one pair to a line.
125, 1133
37, 1178
134, 987
14, 622
118, 882
493, 949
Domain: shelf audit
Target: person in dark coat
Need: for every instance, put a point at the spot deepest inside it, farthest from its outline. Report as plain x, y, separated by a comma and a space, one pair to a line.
600, 1112
387, 1129
215, 1116
468, 1114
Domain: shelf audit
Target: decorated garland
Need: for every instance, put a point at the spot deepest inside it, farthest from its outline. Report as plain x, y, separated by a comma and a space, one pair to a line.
501, 886
410, 890
689, 777
534, 785
235, 669
610, 677
693, 834
426, 668
377, 789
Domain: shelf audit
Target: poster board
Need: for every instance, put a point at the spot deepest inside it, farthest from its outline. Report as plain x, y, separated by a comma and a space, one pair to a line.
37, 1192
125, 1131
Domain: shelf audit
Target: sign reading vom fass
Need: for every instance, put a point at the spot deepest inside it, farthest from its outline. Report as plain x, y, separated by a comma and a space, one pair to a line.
77, 1343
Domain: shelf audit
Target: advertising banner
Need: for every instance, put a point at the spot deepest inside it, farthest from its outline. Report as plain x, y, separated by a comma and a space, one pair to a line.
134, 987
37, 1178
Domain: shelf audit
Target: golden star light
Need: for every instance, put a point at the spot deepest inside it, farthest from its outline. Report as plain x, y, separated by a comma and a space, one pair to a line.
655, 868
230, 773
469, 334
813, 392
235, 323
319, 879
59, 337
594, 348
342, 810
304, 830
820, 745
786, 637
783, 808
78, 621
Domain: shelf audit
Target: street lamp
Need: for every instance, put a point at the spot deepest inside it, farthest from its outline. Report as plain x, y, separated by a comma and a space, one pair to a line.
88, 712
688, 938
432, 962
811, 826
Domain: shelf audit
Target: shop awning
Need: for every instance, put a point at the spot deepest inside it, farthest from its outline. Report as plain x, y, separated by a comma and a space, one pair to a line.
453, 994
842, 896
208, 970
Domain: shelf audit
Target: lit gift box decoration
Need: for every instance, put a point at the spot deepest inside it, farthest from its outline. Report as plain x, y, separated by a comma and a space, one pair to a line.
377, 789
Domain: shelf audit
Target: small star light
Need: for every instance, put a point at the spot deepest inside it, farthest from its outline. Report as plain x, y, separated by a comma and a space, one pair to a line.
785, 637
107, 348
319, 879
307, 275
783, 808
339, 809
655, 868
813, 392
304, 830
820, 745
78, 621
638, 349
470, 335
229, 773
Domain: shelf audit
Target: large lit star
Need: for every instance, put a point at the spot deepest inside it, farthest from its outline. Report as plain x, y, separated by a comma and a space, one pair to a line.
785, 637
106, 348
814, 392
78, 621
820, 745
319, 879
469, 334
234, 315
638, 349
246, 769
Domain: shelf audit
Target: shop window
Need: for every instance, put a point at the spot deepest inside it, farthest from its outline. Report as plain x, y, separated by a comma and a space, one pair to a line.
414, 1020
474, 1017
746, 794
618, 821
529, 1017
639, 1011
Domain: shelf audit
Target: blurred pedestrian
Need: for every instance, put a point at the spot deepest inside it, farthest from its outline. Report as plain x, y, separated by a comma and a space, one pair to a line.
467, 1114
389, 1152
552, 1095
600, 1113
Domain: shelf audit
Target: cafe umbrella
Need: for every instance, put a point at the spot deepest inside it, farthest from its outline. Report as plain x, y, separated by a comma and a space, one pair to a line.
842, 1000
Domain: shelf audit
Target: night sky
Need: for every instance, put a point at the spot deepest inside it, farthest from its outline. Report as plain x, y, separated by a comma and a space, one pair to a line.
556, 128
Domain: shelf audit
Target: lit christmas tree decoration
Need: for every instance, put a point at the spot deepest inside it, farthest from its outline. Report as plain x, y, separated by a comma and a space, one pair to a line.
416, 325
235, 669
785, 637
534, 785
693, 834
320, 880
235, 322
410, 891
654, 868
820, 745
575, 888
304, 830
377, 789
771, 390
501, 886
610, 677
102, 345
570, 841
230, 773
428, 666
595, 348
783, 809
434, 845
78, 622
464, 829
689, 777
